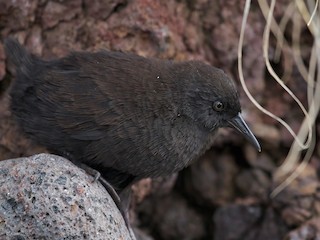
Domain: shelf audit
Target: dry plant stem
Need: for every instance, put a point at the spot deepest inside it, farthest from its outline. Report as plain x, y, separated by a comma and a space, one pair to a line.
313, 13
306, 17
282, 25
312, 99
266, 36
314, 105
312, 72
279, 30
305, 138
296, 47
295, 151
265, 48
297, 171
275, 28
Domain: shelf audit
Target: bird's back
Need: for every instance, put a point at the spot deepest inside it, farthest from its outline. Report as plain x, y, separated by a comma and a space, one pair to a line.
103, 109
116, 112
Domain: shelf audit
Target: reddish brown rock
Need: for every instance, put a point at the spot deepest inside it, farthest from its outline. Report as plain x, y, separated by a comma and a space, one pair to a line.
55, 12
271, 226
238, 222
17, 14
210, 181
235, 222
2, 63
197, 29
173, 218
299, 201
309, 230
102, 9
255, 183
35, 41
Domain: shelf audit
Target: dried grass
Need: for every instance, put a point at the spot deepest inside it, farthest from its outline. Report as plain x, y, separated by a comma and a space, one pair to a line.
298, 13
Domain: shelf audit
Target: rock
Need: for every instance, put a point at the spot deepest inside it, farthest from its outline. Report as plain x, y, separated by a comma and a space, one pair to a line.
159, 186
247, 221
55, 12
235, 221
164, 185
299, 201
2, 63
309, 230
141, 235
57, 44
190, 29
295, 215
268, 133
34, 40
271, 227
47, 197
149, 28
141, 189
254, 182
259, 160
172, 218
102, 8
17, 14
210, 181
12, 142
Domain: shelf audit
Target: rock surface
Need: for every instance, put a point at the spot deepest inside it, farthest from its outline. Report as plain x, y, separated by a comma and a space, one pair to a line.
47, 197
232, 182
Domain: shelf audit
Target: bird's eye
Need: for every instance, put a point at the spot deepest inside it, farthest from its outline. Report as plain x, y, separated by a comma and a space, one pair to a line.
218, 106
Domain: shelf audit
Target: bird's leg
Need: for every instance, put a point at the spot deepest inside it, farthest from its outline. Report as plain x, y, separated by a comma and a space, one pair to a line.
125, 196
122, 202
97, 176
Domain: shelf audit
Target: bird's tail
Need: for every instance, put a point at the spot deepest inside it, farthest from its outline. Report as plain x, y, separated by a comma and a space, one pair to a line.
16, 54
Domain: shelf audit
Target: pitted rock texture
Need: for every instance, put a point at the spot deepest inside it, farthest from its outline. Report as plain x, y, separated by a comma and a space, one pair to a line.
47, 197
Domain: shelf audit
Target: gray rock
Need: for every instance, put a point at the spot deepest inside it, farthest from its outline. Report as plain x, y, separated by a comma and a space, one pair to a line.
47, 197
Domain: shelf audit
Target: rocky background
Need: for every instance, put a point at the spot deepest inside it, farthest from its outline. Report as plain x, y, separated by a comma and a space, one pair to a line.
226, 194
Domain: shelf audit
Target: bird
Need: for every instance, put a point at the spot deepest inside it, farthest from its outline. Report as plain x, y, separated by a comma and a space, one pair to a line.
128, 117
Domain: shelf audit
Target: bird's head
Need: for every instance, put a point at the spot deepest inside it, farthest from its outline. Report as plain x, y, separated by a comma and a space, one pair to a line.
211, 99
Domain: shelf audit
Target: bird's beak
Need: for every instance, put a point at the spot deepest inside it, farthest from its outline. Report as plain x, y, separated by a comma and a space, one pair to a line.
239, 124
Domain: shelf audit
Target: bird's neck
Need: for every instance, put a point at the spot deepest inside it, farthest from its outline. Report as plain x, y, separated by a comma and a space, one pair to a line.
188, 143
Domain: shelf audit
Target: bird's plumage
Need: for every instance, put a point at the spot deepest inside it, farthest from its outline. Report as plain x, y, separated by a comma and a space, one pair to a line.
127, 116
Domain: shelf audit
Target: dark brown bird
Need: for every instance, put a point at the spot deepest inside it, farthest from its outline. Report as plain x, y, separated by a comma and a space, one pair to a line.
126, 116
